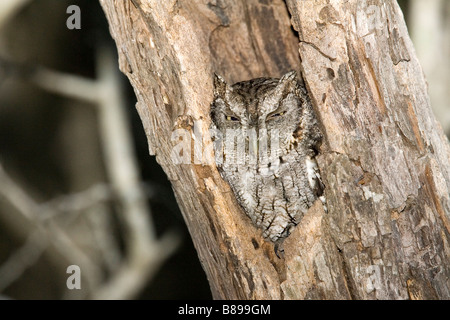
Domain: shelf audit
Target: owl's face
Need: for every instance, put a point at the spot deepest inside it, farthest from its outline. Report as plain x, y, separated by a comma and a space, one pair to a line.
270, 108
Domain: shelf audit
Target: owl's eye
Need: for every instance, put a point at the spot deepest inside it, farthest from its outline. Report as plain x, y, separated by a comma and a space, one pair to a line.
231, 118
275, 115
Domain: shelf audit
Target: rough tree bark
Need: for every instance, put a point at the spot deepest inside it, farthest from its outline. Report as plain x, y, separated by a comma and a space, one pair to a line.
385, 161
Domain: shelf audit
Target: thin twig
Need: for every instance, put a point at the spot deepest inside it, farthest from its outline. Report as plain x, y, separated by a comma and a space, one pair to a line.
75, 201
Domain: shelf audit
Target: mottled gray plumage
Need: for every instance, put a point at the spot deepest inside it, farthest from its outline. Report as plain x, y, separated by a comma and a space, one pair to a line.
268, 136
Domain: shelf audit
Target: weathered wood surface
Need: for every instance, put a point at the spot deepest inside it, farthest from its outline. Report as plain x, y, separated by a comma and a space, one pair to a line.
385, 161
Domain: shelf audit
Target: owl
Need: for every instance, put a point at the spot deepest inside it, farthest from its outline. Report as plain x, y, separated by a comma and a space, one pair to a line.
266, 137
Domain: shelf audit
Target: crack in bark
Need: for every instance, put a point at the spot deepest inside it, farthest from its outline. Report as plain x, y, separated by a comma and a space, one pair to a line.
313, 45
353, 293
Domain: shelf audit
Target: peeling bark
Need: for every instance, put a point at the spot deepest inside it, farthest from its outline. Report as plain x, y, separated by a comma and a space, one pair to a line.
385, 161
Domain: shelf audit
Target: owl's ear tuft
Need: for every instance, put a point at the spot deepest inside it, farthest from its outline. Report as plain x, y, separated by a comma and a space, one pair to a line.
220, 86
287, 82
290, 76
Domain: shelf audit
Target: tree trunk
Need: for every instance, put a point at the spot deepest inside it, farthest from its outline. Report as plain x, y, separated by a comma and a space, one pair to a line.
385, 161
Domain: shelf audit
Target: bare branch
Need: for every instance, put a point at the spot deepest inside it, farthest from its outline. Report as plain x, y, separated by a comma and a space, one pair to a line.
76, 201
22, 259
66, 84
128, 280
144, 253
28, 208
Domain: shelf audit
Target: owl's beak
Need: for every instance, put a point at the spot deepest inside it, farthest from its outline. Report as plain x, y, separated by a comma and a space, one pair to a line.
255, 146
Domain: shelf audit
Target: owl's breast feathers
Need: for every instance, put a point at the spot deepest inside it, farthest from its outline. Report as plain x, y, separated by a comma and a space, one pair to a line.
276, 196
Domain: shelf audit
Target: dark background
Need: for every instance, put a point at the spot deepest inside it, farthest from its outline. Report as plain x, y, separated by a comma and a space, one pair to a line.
38, 131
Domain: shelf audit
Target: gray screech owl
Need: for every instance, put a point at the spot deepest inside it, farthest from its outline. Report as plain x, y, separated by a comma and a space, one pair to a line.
266, 138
